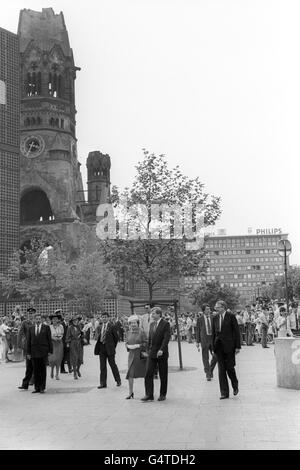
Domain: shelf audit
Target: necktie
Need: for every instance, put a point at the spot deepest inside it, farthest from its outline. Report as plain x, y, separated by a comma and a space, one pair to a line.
37, 330
208, 327
103, 333
221, 321
154, 326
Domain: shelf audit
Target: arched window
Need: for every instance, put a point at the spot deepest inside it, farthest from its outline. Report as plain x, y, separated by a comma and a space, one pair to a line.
38, 121
33, 84
55, 85
35, 207
32, 121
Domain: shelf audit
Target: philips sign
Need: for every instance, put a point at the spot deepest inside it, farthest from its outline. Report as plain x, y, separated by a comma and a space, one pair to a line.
268, 231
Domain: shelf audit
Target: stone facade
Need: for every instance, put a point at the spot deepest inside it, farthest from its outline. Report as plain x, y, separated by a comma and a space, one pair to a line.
53, 203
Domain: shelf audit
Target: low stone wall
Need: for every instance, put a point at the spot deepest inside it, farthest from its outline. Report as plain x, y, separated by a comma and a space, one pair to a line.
287, 354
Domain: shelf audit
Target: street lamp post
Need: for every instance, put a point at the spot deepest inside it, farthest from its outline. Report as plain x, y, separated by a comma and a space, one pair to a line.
285, 249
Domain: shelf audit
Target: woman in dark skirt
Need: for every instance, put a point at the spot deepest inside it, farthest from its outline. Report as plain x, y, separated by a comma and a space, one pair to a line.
136, 344
74, 341
57, 332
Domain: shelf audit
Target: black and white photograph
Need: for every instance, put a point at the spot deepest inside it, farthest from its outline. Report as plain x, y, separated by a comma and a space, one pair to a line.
149, 227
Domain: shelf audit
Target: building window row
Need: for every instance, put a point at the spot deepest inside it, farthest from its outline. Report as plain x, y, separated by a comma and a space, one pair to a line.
270, 259
241, 243
242, 252
244, 268
33, 84
56, 122
32, 121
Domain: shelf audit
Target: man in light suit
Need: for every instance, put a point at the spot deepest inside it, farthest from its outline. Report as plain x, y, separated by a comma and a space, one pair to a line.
39, 345
146, 320
204, 337
159, 336
226, 344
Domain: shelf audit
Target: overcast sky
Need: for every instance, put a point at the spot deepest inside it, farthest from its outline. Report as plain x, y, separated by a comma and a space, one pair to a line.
213, 84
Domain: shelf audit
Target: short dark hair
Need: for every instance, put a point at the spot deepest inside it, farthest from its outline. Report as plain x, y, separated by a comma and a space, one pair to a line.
282, 309
223, 303
157, 310
105, 314
204, 307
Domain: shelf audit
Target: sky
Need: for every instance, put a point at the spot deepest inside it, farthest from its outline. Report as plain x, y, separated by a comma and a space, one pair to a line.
212, 84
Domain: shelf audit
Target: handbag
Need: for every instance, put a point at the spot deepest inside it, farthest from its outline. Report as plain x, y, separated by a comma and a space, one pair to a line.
142, 357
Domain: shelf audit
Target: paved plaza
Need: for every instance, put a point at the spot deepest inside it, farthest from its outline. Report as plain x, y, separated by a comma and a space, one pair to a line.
76, 415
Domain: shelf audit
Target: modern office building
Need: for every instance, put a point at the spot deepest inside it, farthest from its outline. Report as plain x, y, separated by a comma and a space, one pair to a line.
246, 262
9, 146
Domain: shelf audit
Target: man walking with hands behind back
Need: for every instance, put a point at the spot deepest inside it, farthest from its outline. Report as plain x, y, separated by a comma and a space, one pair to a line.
226, 344
159, 336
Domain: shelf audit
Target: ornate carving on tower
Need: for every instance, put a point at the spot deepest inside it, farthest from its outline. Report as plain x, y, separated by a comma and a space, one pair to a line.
48, 140
50, 171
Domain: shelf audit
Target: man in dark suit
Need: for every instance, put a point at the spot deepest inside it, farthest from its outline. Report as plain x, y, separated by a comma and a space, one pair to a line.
22, 344
39, 345
105, 347
204, 337
226, 344
159, 336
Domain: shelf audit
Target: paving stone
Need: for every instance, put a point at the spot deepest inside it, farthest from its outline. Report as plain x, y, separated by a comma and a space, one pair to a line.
76, 415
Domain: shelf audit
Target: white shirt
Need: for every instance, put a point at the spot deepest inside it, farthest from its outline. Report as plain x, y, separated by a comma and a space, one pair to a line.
222, 315
37, 329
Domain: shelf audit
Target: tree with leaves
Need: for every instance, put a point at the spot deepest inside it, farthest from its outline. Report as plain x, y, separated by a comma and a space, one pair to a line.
276, 290
149, 244
211, 292
40, 272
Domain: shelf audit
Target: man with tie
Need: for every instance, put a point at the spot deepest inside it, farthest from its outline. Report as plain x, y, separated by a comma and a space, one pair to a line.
145, 323
204, 337
159, 336
105, 347
226, 344
39, 346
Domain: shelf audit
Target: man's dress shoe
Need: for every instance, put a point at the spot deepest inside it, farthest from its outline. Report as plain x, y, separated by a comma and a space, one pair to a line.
102, 386
36, 391
222, 397
119, 384
23, 388
235, 391
161, 398
147, 398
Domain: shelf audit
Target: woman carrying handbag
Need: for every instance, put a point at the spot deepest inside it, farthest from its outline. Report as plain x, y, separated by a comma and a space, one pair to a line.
136, 344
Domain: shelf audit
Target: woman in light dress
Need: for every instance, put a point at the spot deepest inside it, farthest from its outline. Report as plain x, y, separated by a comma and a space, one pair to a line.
136, 344
57, 332
4, 347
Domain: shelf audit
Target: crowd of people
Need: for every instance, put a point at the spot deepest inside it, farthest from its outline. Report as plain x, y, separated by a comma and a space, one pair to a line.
58, 341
